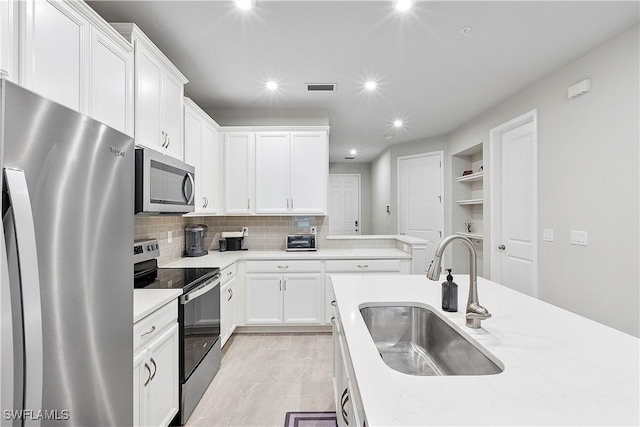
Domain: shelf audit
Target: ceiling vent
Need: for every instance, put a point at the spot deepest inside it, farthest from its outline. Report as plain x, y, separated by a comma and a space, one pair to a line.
321, 87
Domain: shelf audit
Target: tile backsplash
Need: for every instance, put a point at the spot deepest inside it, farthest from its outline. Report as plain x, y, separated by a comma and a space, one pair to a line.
265, 232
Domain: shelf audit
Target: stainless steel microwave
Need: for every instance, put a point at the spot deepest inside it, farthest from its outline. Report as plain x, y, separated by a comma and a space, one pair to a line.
163, 184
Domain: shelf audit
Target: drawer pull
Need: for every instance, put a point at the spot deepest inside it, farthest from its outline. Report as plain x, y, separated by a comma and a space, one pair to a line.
333, 320
283, 267
229, 273
230, 294
363, 265
153, 328
333, 303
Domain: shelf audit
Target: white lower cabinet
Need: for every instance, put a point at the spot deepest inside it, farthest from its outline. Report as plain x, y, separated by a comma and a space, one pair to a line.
155, 367
349, 410
228, 303
294, 297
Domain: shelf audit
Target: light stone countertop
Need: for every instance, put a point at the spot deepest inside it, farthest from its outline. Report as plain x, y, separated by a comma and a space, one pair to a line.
224, 259
146, 301
560, 368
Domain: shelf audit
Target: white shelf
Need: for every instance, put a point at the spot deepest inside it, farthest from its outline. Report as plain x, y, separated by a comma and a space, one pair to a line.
471, 177
471, 235
470, 202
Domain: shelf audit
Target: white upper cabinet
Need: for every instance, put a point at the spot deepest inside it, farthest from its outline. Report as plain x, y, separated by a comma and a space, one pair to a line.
309, 172
55, 44
292, 169
70, 55
9, 40
111, 81
201, 151
272, 173
159, 89
239, 168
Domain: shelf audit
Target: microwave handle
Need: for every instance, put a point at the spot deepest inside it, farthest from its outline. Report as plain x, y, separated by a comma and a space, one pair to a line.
189, 198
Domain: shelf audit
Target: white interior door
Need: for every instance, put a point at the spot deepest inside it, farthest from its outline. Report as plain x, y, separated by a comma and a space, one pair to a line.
344, 204
514, 204
420, 194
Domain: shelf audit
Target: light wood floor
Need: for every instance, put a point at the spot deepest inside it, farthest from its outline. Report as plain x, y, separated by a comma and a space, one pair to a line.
263, 377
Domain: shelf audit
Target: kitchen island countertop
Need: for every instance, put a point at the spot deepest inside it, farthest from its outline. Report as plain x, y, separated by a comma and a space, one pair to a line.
559, 368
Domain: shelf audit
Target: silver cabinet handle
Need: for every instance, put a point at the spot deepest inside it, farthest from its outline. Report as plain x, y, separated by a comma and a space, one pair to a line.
333, 320
229, 273
291, 204
155, 369
333, 303
153, 328
502, 247
285, 284
283, 267
280, 284
230, 294
287, 203
168, 140
248, 203
164, 139
146, 365
363, 265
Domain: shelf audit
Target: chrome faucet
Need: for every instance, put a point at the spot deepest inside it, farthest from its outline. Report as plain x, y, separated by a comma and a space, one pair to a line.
475, 312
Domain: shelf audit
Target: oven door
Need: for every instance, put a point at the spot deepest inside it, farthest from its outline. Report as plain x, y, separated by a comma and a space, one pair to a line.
199, 324
163, 184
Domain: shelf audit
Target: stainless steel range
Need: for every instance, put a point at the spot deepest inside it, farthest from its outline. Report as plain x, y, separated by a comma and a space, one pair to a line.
198, 316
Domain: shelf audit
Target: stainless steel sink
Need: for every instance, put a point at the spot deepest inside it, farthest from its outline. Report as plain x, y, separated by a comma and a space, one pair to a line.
416, 341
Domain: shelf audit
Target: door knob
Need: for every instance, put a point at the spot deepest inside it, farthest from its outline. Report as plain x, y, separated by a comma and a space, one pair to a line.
502, 247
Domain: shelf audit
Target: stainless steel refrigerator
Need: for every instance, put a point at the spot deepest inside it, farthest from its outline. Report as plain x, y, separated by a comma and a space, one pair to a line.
66, 266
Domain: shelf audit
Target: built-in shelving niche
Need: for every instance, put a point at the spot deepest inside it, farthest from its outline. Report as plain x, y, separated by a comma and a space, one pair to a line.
468, 197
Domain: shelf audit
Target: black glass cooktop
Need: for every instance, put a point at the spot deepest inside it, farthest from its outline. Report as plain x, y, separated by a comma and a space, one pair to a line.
173, 278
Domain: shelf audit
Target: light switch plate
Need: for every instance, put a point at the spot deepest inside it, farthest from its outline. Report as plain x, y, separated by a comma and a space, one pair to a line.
579, 238
547, 234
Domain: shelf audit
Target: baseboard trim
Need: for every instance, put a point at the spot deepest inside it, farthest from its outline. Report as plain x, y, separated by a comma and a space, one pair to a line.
283, 329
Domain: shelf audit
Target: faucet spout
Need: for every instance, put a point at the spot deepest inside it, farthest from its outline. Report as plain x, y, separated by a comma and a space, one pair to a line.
474, 312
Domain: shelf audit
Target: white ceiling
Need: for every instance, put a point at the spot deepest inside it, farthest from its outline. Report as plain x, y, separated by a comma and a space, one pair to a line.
429, 74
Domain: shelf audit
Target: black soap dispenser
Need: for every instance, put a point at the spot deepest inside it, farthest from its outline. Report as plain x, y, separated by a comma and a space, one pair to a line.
449, 293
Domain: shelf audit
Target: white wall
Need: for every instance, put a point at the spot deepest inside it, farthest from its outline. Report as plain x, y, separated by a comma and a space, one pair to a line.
588, 159
381, 193
364, 170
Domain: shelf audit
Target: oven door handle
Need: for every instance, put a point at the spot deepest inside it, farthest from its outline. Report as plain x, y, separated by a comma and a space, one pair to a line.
184, 299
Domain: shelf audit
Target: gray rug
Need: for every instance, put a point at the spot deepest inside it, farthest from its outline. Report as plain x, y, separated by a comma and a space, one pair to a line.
310, 419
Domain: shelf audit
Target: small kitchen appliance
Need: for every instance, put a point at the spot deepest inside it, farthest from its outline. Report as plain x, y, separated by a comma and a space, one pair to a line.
194, 235
198, 319
234, 240
301, 242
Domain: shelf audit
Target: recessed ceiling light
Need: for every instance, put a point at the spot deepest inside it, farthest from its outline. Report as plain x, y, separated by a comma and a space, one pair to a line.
271, 85
465, 30
245, 4
353, 152
370, 85
402, 5
397, 123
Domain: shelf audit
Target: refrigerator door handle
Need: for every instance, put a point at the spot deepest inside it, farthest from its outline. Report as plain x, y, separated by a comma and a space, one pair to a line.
7, 366
30, 286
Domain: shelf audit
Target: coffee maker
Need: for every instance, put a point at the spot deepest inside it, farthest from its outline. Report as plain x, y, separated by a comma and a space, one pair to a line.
194, 235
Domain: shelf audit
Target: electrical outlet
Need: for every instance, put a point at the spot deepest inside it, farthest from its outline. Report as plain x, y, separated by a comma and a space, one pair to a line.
313, 230
245, 231
579, 238
170, 236
547, 235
